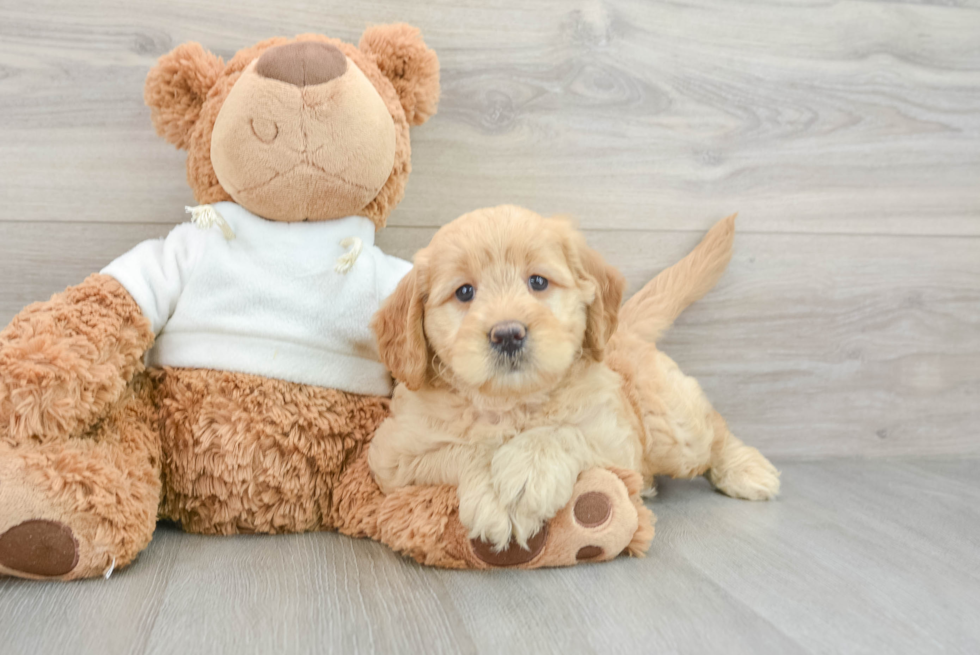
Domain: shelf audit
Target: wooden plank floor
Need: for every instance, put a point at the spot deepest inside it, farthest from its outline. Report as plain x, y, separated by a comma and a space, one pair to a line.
858, 556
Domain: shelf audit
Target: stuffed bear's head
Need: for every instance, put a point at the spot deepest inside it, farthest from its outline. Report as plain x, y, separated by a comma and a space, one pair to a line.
310, 128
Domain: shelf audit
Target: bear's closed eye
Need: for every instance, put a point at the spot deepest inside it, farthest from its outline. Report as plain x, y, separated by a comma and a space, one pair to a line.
265, 130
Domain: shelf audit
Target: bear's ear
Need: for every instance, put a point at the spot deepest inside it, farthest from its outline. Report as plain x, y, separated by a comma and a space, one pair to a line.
409, 64
177, 87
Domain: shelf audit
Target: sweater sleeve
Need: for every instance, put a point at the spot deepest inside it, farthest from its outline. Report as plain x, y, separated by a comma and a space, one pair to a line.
156, 271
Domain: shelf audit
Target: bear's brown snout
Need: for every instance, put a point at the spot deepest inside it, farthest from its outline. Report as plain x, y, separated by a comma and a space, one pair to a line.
303, 63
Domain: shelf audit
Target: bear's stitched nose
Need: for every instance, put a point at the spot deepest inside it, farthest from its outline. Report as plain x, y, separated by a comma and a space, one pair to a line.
508, 337
304, 63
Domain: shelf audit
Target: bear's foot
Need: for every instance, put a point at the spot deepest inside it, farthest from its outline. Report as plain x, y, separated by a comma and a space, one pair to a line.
36, 540
84, 506
67, 514
604, 519
38, 548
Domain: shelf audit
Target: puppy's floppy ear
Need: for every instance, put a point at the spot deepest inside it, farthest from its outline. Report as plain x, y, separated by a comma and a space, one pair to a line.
609, 284
401, 338
409, 64
177, 87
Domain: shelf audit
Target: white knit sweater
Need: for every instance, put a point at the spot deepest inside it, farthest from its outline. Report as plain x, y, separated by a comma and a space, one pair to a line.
267, 302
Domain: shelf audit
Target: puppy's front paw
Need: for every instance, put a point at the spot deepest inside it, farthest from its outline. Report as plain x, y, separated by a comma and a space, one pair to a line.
532, 485
485, 517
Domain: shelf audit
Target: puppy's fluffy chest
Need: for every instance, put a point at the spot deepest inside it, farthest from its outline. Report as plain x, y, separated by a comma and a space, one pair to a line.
590, 401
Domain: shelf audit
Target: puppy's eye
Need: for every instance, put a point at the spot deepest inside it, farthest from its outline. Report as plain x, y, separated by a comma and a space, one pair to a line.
537, 283
465, 293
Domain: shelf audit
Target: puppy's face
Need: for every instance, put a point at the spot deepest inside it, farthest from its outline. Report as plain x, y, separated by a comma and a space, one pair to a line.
502, 302
504, 310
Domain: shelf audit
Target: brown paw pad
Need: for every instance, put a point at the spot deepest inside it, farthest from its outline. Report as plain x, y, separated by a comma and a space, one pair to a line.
513, 555
589, 552
592, 509
38, 547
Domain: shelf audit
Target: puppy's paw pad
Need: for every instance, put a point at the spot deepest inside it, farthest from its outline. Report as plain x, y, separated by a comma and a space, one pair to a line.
513, 555
39, 547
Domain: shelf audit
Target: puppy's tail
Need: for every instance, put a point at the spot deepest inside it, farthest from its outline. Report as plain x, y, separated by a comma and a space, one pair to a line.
653, 309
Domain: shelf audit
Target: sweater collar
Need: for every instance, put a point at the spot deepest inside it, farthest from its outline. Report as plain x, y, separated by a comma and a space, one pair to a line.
240, 219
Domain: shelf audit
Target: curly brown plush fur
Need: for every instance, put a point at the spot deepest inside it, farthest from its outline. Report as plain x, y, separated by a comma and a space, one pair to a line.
64, 361
247, 454
399, 53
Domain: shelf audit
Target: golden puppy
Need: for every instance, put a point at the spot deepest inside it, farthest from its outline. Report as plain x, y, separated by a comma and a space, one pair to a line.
519, 370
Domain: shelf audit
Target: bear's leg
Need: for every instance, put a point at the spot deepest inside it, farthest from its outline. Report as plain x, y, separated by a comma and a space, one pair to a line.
79, 450
604, 518
81, 506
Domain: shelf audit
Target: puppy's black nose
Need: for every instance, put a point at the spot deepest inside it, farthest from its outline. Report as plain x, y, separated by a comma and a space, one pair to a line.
508, 337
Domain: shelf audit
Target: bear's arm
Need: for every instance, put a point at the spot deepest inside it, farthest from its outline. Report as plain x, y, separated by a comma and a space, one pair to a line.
65, 361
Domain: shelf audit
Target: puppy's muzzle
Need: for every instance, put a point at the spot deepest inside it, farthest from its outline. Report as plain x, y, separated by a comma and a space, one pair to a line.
508, 337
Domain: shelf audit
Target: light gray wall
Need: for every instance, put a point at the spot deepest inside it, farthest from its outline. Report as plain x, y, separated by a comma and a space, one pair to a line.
846, 134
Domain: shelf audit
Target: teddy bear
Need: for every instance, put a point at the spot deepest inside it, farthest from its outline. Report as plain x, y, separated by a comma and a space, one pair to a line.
225, 377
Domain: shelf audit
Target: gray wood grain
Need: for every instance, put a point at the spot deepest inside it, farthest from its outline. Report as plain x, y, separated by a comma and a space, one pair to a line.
817, 117
856, 556
326, 593
885, 582
94, 616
